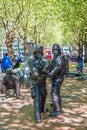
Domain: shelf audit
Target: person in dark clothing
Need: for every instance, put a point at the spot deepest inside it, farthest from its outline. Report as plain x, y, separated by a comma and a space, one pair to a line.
0, 65
17, 64
80, 63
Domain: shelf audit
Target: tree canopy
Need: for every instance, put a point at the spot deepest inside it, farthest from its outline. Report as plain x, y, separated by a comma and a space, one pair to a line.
44, 22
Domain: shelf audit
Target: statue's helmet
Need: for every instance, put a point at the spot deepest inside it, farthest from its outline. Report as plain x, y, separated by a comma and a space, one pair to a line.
56, 49
39, 51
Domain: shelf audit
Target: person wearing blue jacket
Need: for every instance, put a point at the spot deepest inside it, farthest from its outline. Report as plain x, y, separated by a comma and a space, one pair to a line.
80, 63
6, 62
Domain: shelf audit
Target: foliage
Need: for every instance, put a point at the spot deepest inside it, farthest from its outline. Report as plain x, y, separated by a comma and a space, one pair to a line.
44, 22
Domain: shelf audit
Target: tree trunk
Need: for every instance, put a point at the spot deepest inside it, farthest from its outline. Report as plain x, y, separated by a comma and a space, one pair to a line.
85, 52
85, 49
9, 43
10, 49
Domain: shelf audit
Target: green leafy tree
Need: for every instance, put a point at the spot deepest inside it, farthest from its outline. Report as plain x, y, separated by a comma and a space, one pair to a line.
10, 13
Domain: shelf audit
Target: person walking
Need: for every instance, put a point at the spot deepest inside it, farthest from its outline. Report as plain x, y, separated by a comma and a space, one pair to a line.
80, 63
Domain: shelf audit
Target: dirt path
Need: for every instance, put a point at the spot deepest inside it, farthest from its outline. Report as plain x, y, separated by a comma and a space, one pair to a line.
17, 114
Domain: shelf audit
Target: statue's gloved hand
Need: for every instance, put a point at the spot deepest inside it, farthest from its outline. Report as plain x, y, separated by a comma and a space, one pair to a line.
49, 75
35, 75
44, 71
33, 95
43, 74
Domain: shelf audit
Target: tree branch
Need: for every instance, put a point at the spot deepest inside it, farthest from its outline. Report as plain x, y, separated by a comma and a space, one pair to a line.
3, 22
73, 47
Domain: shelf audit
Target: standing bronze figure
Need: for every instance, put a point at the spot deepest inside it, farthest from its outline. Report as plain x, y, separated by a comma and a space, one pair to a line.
57, 76
38, 66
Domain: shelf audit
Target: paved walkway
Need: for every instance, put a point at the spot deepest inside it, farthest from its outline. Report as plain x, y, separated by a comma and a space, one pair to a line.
17, 114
